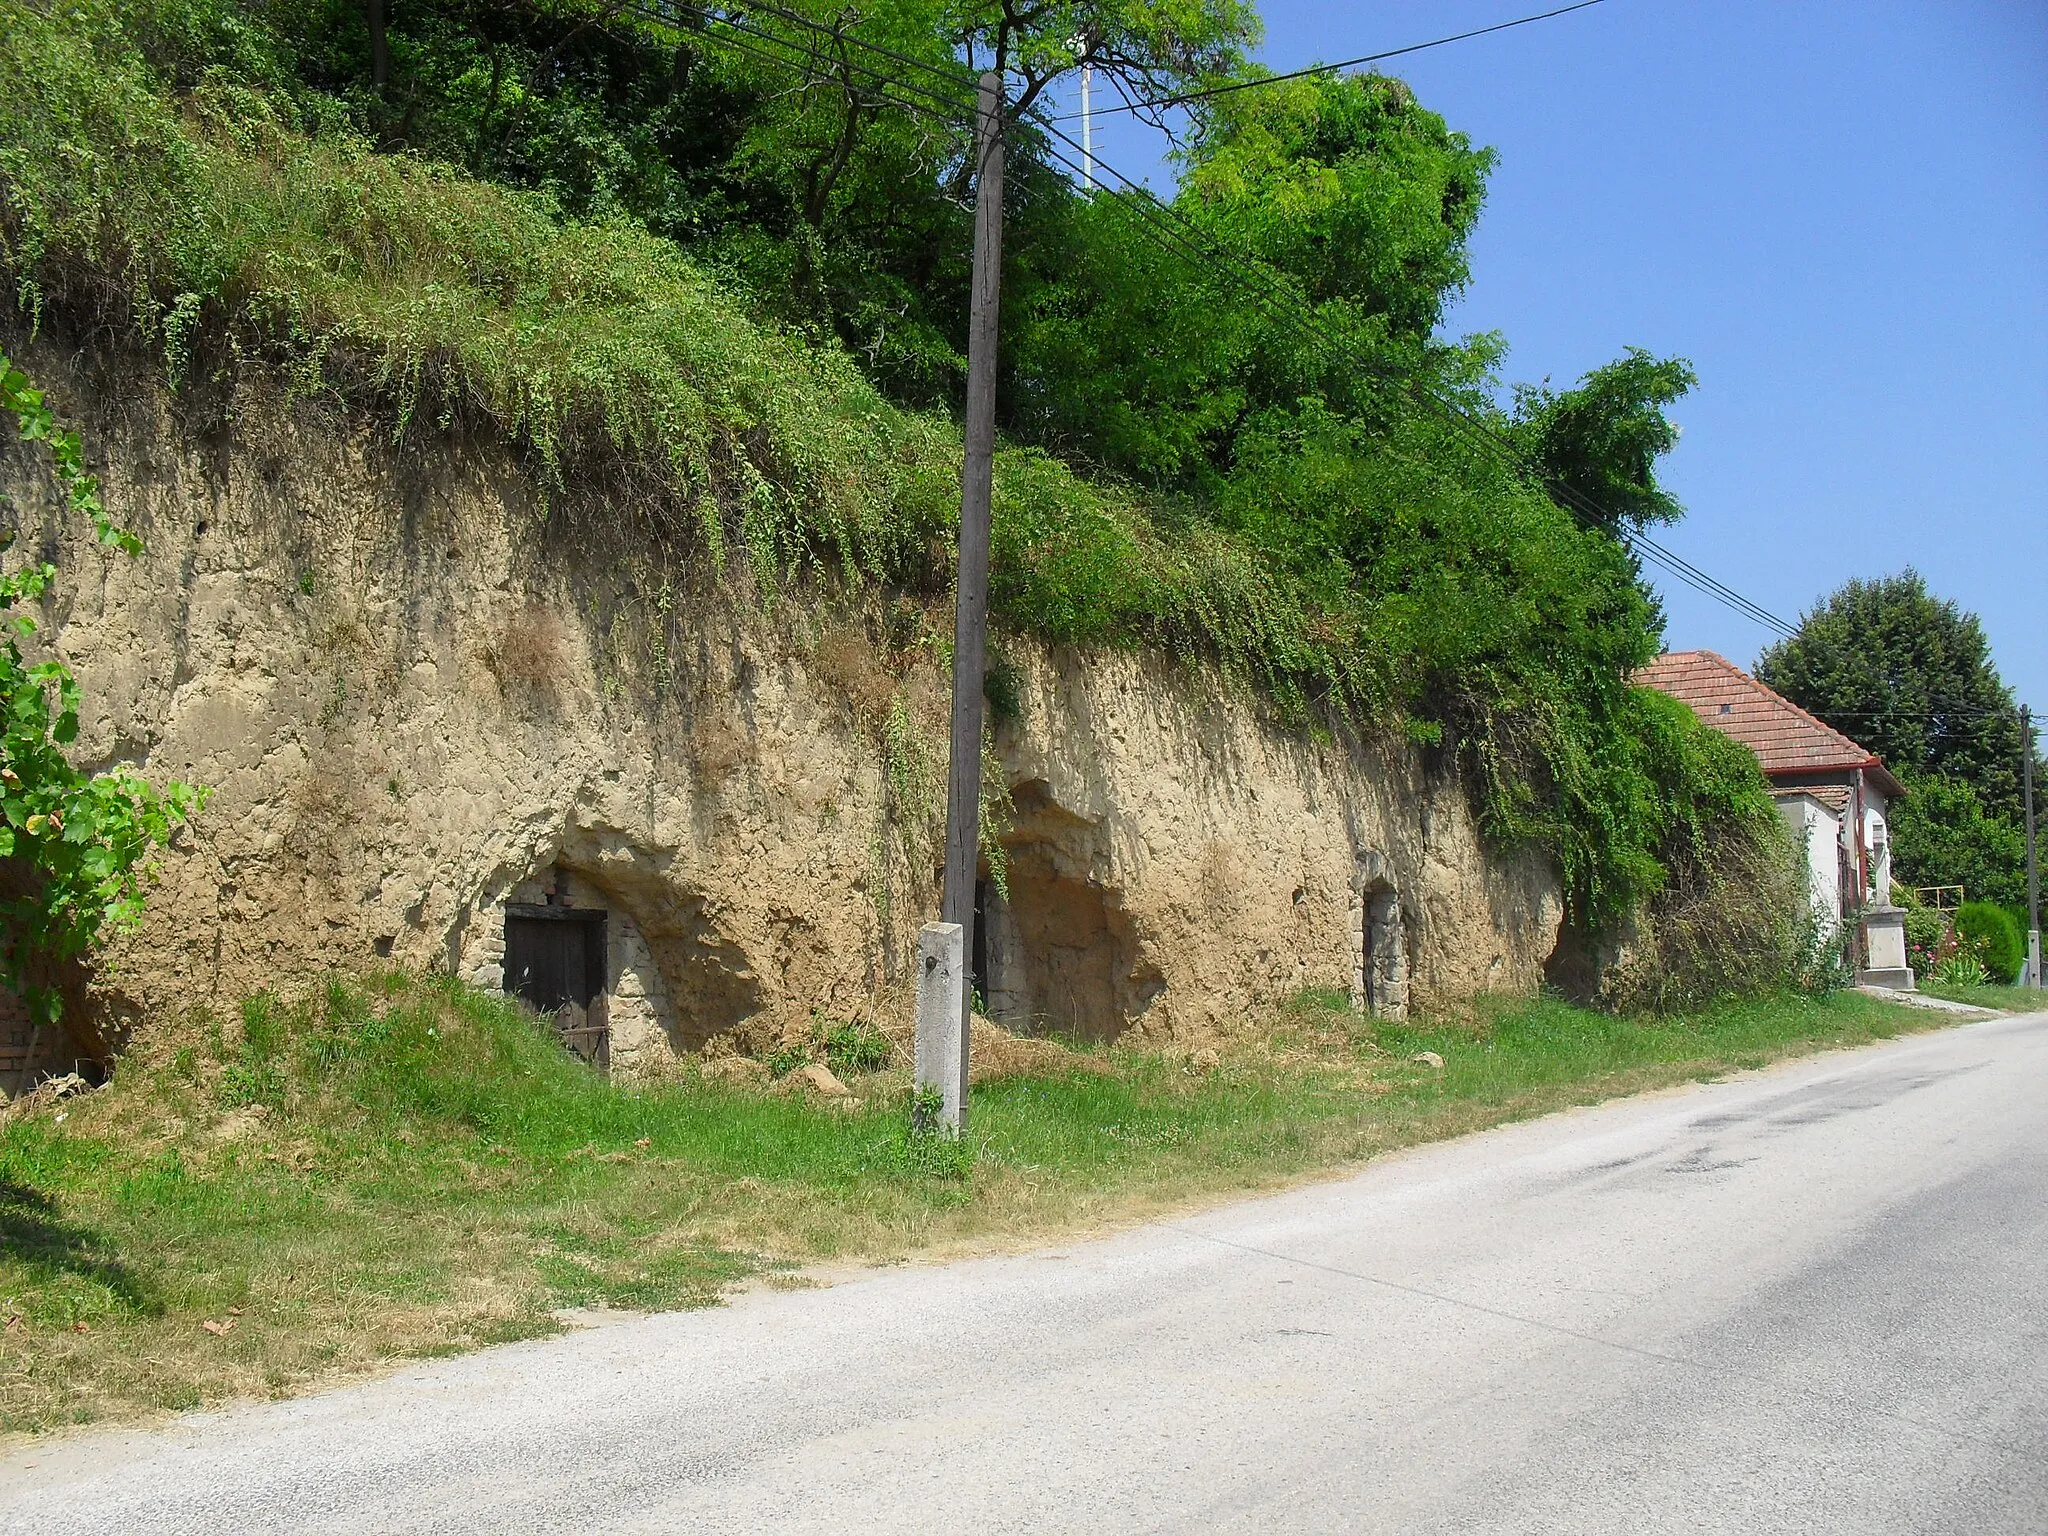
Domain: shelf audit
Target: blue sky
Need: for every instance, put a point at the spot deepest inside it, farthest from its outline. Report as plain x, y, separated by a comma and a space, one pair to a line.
1838, 212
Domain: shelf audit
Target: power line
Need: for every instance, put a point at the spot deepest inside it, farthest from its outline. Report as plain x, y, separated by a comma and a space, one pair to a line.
1182, 98
1173, 229
659, 11
933, 105
1473, 430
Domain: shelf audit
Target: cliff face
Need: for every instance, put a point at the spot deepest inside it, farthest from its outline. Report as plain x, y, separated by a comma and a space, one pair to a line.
441, 714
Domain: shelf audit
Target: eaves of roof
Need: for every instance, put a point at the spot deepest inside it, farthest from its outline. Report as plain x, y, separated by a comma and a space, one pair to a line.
1788, 742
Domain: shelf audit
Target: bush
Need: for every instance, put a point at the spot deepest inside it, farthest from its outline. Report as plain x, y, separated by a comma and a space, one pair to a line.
1734, 923
1960, 969
857, 1047
1990, 932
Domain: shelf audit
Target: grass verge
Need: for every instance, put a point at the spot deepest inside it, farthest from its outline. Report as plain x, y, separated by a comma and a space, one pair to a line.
2005, 999
401, 1168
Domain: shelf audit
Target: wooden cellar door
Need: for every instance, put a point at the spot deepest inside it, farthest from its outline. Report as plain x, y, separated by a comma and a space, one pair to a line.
555, 961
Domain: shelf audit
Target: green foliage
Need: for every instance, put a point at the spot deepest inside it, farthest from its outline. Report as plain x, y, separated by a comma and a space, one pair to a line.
929, 1148
1353, 205
1721, 907
857, 1046
1991, 934
1910, 676
1927, 932
1348, 186
1597, 445
1960, 968
1941, 835
73, 846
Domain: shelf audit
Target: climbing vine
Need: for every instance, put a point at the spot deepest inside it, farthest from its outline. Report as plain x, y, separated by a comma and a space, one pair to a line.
74, 846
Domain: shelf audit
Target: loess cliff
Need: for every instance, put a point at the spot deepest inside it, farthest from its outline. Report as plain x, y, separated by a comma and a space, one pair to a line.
440, 712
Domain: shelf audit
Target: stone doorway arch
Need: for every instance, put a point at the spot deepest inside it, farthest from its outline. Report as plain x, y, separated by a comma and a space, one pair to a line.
1379, 940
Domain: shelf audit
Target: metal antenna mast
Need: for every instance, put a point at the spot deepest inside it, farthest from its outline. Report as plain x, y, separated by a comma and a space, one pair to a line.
1087, 128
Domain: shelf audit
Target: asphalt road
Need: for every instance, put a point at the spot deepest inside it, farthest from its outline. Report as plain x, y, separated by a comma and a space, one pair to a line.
1814, 1299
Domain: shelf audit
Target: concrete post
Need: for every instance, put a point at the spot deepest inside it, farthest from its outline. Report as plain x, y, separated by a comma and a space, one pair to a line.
941, 1005
2033, 976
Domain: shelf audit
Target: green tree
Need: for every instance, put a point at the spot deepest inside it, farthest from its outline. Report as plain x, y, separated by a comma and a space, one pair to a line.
1596, 446
1351, 202
1941, 835
1910, 676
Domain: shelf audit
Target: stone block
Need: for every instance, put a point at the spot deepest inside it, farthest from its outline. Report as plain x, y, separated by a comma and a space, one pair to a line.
1884, 943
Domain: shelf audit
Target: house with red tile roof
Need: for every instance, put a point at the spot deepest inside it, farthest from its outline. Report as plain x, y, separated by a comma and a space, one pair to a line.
1833, 794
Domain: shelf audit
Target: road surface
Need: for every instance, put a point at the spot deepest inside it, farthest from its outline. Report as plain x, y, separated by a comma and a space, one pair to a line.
1813, 1299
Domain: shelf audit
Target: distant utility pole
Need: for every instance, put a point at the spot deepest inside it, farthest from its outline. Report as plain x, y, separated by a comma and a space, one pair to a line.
937, 1065
2033, 976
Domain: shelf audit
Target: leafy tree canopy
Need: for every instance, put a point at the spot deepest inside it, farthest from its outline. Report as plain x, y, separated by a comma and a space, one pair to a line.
1941, 835
1597, 445
1910, 676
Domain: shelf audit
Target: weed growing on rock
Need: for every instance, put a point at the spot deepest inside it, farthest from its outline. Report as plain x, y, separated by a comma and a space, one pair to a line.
74, 846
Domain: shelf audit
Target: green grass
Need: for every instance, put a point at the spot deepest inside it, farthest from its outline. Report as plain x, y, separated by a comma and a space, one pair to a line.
402, 1168
2009, 999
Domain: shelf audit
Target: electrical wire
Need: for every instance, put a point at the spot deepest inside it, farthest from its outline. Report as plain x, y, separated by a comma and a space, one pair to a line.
1182, 98
1173, 230
1478, 433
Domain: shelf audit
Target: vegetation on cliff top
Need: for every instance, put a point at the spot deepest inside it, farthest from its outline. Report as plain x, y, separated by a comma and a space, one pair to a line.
602, 242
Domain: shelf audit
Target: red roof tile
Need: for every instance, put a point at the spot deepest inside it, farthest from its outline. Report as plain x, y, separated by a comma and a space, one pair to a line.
1834, 796
1785, 738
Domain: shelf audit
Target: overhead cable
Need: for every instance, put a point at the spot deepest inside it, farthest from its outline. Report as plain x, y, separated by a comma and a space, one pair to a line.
1182, 98
1171, 228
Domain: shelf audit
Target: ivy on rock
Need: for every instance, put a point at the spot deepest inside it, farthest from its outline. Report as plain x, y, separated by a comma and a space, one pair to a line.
74, 846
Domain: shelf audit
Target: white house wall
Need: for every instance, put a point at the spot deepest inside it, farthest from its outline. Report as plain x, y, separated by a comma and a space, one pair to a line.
1820, 833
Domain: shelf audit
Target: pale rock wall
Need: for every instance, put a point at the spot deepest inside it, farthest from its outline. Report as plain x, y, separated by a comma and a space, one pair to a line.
418, 692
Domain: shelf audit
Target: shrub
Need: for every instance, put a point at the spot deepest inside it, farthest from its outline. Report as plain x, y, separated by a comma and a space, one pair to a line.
1732, 923
1960, 969
1927, 935
857, 1047
1990, 933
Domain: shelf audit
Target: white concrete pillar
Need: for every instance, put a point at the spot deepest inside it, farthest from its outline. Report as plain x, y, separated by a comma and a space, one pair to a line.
941, 1017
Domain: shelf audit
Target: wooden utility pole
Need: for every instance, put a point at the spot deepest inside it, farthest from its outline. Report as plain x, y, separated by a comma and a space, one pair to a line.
380, 46
970, 623
2033, 976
